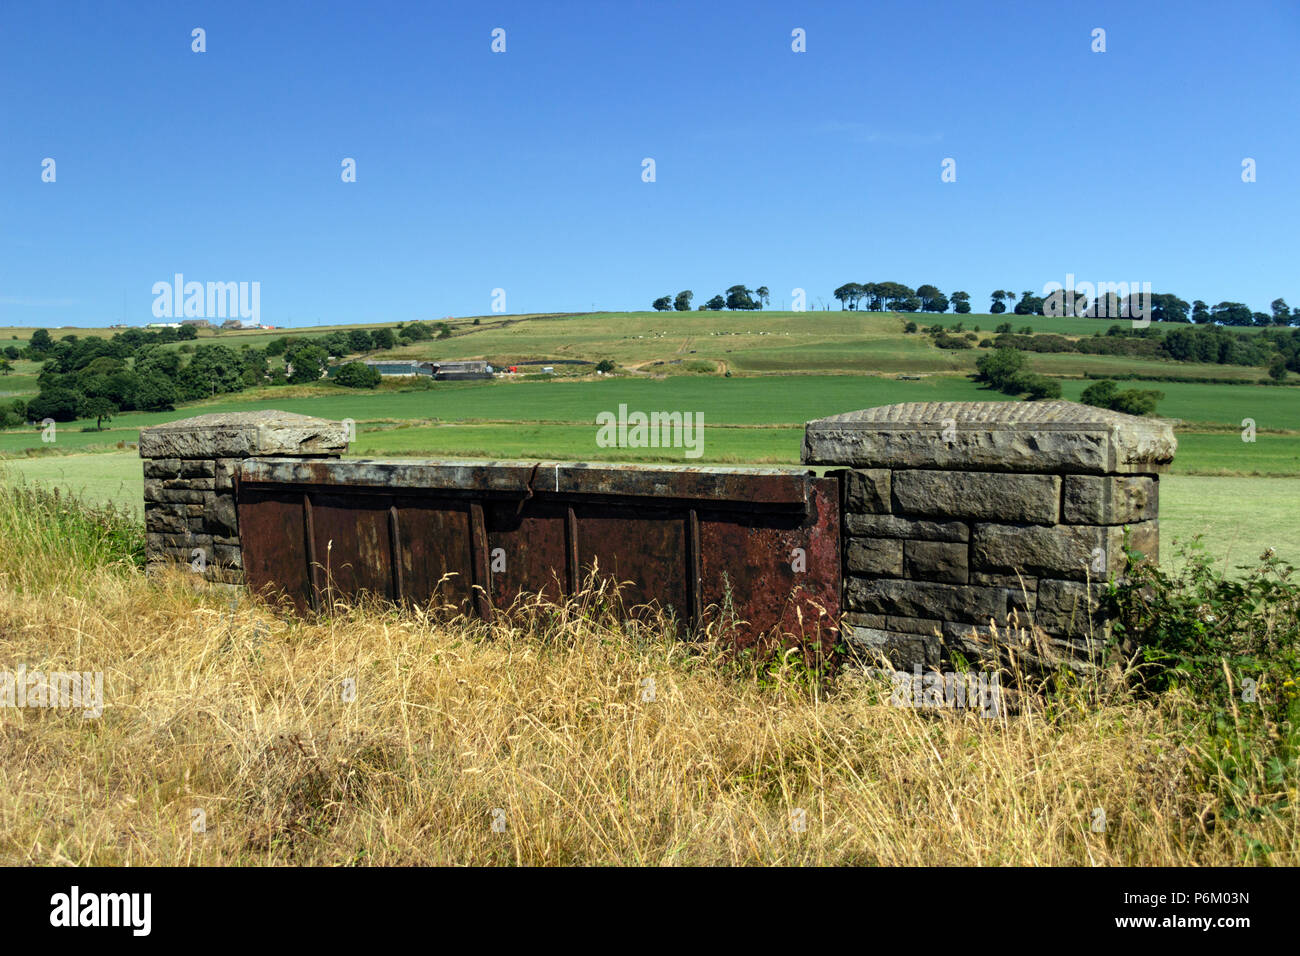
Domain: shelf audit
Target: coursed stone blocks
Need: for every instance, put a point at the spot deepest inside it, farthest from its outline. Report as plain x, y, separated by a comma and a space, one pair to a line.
189, 488
891, 526
942, 561
867, 491
976, 523
977, 494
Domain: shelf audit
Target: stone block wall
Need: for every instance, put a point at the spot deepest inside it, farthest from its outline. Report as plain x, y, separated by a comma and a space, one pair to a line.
962, 517
190, 473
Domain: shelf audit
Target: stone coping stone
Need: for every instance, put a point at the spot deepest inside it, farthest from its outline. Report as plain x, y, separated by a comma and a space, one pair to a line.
1052, 437
244, 435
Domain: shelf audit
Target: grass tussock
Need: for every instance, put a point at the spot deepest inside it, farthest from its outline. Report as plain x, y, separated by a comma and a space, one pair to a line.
238, 734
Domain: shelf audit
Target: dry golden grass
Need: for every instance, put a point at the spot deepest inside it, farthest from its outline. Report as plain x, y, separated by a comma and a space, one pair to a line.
240, 716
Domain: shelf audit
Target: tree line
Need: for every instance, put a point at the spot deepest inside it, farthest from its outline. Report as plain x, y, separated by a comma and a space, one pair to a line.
737, 297
1165, 307
897, 297
133, 371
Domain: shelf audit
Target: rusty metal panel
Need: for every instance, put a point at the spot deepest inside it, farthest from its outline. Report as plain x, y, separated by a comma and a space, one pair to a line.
477, 535
433, 553
274, 540
527, 550
779, 573
641, 549
352, 545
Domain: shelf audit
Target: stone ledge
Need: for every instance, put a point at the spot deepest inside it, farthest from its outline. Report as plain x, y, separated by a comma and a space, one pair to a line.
1046, 437
244, 435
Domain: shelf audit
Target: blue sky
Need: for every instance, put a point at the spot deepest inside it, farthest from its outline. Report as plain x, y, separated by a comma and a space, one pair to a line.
522, 170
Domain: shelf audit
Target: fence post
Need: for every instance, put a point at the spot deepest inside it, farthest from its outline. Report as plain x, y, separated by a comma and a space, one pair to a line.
961, 518
189, 481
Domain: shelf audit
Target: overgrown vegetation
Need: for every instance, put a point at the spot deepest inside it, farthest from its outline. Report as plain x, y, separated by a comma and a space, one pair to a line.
590, 738
1227, 650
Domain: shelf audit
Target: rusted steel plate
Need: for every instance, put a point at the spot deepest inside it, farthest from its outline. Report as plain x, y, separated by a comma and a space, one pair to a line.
274, 540
353, 549
692, 541
780, 574
527, 551
644, 551
434, 550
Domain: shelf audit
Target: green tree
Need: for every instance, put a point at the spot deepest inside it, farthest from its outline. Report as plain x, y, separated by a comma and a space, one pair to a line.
6, 367
154, 392
1281, 313
849, 294
662, 304
100, 409
999, 302
383, 339
683, 301
59, 404
605, 365
762, 295
738, 297
359, 340
40, 343
1106, 394
1200, 313
415, 332
1277, 368
1029, 304
1000, 366
960, 302
714, 304
932, 300
308, 363
357, 375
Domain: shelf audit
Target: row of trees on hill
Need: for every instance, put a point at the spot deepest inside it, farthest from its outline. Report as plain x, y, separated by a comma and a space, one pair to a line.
896, 297
737, 297
1165, 307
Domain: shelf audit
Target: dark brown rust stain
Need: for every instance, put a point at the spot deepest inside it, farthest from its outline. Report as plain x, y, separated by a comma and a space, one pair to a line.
395, 553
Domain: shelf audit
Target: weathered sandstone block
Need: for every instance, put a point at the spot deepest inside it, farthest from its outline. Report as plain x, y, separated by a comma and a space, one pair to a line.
977, 494
1109, 499
1044, 437
867, 491
888, 526
935, 561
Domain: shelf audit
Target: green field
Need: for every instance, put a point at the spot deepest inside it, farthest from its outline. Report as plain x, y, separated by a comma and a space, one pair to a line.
787, 368
499, 410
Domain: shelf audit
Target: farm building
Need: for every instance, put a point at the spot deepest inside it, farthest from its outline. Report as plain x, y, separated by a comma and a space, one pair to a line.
442, 371
401, 368
461, 371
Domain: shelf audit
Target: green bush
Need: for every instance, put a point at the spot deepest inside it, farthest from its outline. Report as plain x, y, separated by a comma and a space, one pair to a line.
357, 375
1232, 646
1130, 401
